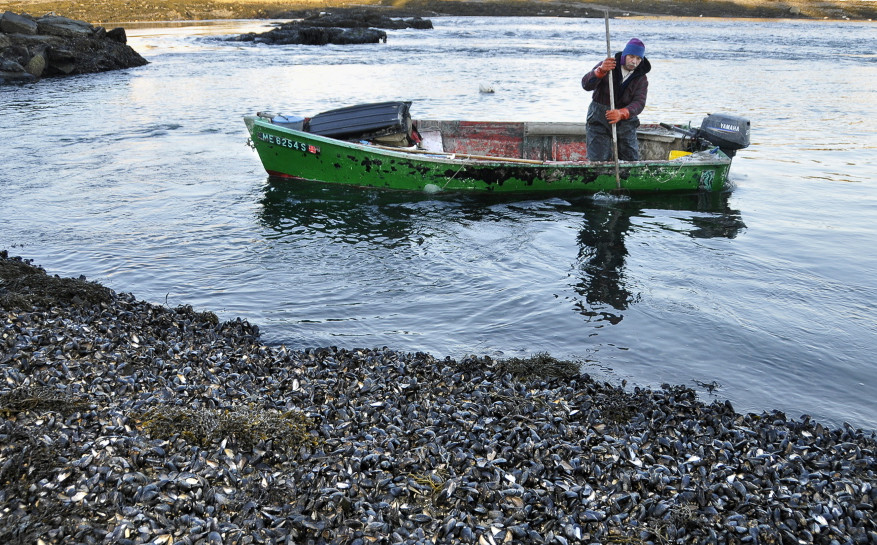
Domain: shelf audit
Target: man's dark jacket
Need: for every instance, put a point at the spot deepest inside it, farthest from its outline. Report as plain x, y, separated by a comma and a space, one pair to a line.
631, 95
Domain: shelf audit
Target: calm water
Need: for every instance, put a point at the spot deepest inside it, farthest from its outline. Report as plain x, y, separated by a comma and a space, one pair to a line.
142, 180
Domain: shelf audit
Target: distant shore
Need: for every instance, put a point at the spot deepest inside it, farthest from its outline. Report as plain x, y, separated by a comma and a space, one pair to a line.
117, 11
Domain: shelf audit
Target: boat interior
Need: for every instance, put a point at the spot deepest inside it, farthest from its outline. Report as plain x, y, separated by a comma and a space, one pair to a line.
560, 142
389, 124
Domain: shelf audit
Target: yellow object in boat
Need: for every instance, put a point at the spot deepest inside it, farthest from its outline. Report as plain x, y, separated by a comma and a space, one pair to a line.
676, 154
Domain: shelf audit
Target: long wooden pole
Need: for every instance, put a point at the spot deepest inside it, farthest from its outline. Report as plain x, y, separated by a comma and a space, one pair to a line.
612, 107
462, 155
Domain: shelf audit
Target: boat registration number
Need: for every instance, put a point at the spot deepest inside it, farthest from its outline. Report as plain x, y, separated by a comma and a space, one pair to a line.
288, 143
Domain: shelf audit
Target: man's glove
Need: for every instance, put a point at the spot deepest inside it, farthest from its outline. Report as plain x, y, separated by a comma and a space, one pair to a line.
607, 66
614, 116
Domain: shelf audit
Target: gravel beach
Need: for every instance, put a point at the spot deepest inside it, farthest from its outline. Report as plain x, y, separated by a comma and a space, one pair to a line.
128, 422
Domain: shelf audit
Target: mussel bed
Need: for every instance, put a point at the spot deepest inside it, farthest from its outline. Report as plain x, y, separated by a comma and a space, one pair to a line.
123, 421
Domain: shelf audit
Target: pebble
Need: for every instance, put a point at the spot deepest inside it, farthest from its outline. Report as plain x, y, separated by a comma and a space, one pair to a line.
127, 422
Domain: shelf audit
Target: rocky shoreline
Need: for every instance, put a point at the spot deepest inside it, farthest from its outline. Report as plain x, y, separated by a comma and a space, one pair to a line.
127, 422
50, 46
32, 48
349, 27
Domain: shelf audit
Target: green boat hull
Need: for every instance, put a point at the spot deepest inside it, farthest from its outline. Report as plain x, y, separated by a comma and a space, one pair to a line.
295, 154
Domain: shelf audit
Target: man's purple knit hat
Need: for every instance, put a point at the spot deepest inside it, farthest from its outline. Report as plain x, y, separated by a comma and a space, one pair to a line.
634, 47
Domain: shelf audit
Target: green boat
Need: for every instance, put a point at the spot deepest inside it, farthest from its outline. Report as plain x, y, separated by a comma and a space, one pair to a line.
379, 145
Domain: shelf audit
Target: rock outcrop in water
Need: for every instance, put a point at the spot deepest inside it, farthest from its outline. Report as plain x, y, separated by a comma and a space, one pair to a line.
50, 46
346, 27
127, 422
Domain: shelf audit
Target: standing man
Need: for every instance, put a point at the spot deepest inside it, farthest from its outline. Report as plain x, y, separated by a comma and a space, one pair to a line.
627, 70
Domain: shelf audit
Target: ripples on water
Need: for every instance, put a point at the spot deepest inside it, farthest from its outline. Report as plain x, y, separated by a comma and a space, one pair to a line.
141, 180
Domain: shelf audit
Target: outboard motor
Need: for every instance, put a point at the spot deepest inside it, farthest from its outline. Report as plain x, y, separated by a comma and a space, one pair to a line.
729, 132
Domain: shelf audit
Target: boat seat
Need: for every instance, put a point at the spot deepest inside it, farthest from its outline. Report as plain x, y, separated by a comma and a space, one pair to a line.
554, 129
658, 134
656, 143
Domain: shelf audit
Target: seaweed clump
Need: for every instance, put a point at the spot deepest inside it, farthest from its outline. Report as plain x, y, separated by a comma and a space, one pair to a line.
540, 366
39, 398
23, 285
244, 426
198, 317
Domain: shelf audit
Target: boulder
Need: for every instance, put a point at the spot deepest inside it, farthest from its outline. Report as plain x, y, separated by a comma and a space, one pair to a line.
347, 27
7, 65
55, 25
51, 45
304, 35
361, 36
37, 64
13, 55
12, 23
63, 61
117, 35
16, 77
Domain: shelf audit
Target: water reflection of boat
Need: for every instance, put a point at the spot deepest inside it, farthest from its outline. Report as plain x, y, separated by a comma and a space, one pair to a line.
398, 220
379, 145
603, 252
343, 214
601, 258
